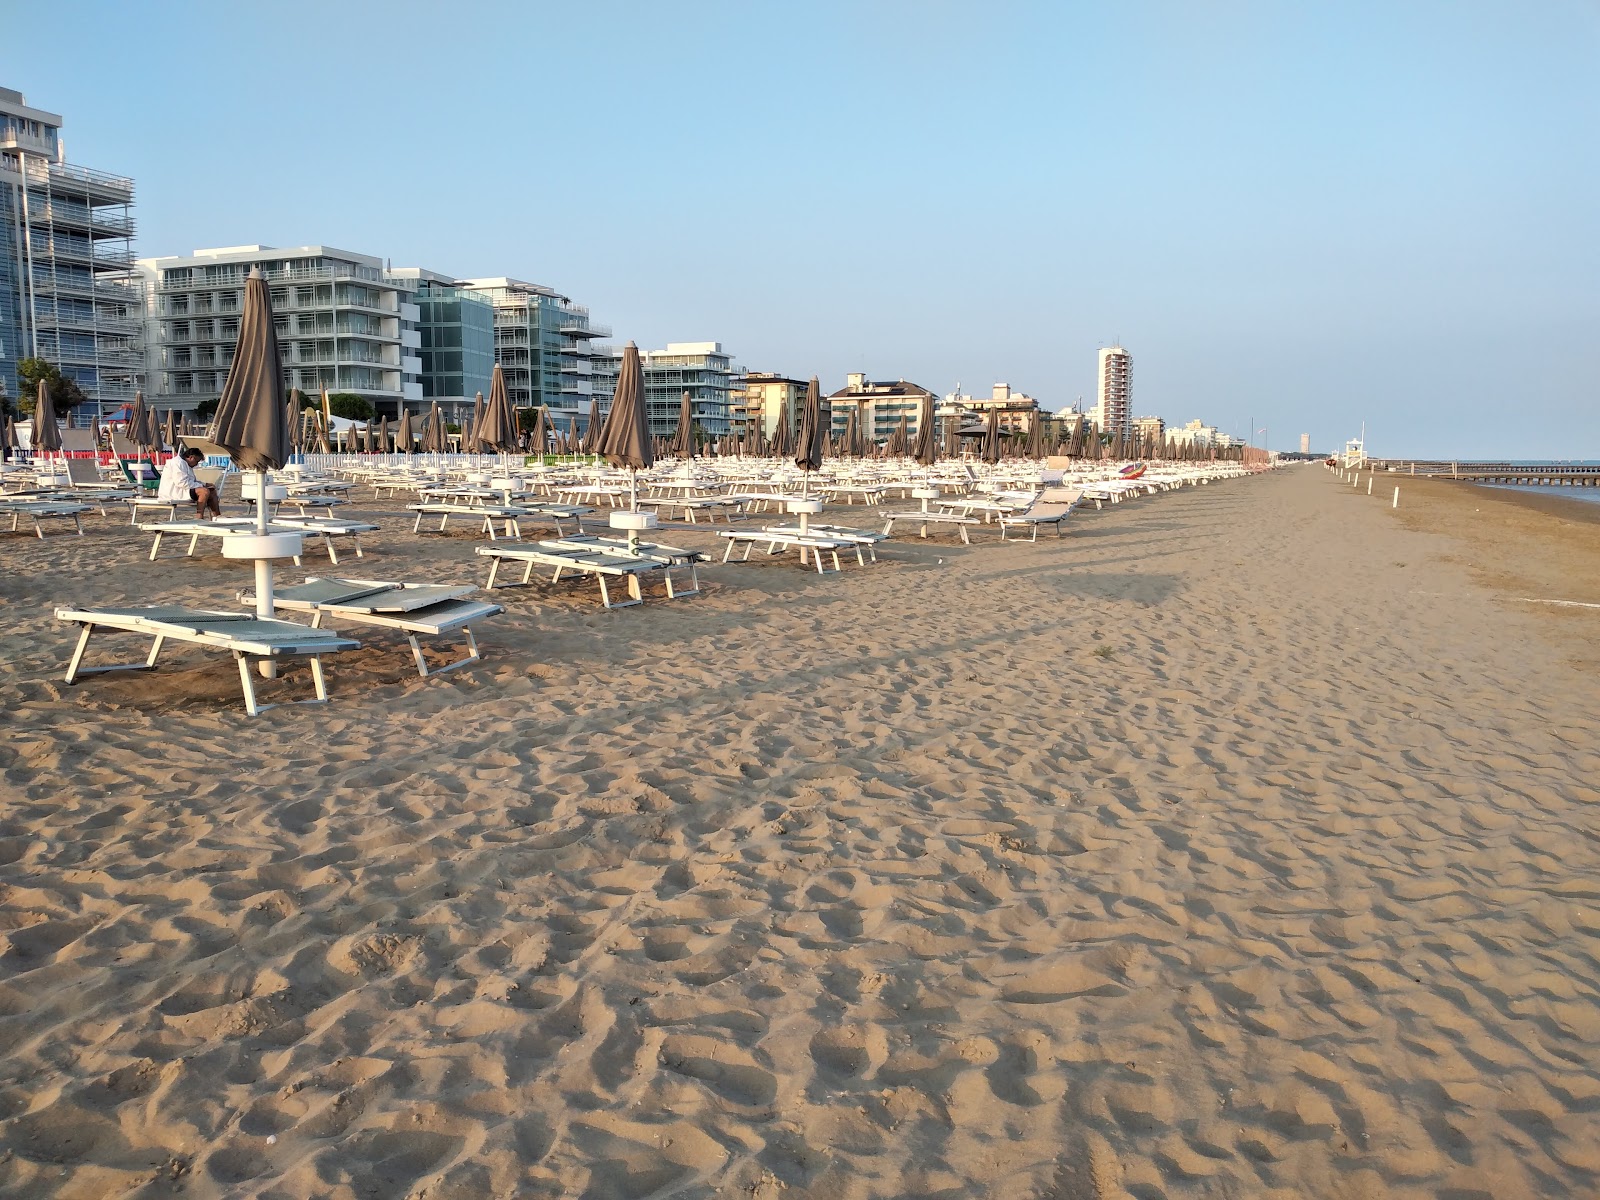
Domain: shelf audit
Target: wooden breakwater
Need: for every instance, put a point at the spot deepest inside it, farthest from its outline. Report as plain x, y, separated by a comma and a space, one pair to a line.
1527, 474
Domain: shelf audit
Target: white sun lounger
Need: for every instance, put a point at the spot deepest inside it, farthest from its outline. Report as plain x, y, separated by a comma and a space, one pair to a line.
711, 505
1053, 506
924, 519
244, 635
861, 539
327, 528
40, 511
812, 544
412, 608
580, 557
511, 515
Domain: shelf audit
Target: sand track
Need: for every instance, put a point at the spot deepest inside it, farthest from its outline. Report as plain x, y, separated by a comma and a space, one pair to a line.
1236, 844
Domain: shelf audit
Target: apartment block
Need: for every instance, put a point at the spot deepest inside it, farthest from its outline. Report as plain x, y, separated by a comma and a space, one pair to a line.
705, 370
343, 322
543, 343
1114, 411
67, 290
879, 405
763, 400
1151, 430
1016, 409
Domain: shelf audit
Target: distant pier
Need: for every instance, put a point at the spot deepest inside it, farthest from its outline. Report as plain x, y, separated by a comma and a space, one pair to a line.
1525, 474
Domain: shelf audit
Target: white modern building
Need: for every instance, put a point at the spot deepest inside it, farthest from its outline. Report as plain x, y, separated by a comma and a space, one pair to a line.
705, 370
1016, 409
343, 322
1113, 412
880, 405
542, 341
67, 292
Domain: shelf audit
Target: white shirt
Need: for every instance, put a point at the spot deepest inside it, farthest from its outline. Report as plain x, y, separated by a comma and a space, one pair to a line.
177, 479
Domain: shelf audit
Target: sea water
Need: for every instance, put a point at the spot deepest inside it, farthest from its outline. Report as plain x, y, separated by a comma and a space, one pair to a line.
1591, 494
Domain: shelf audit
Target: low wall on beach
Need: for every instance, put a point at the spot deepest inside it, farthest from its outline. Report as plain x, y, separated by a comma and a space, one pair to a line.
1526, 474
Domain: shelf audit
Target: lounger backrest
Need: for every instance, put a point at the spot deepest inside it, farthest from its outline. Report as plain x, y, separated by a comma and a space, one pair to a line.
1062, 495
82, 470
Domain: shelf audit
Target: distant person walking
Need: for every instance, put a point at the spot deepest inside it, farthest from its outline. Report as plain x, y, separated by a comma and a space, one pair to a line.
179, 483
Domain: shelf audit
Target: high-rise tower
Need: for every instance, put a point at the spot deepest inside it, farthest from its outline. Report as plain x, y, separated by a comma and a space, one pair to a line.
1113, 413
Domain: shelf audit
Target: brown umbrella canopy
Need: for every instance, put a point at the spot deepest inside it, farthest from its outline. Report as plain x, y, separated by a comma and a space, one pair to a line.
625, 440
539, 438
852, 432
808, 451
138, 421
683, 437
496, 428
170, 437
406, 437
383, 434
782, 438
991, 437
46, 433
926, 447
250, 421
471, 436
1036, 436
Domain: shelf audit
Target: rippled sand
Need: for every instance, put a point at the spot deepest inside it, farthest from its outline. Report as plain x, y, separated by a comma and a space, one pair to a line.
1237, 844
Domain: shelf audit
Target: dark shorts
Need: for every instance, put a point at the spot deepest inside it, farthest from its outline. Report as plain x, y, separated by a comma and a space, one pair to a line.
194, 493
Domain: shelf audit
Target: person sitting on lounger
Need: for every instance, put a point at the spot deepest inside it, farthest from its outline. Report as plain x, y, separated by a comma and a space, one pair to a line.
179, 483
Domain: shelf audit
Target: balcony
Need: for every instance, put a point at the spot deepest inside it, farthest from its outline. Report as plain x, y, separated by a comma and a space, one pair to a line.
573, 329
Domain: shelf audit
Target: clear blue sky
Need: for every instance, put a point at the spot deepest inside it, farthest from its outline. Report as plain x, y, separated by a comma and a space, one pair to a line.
1308, 214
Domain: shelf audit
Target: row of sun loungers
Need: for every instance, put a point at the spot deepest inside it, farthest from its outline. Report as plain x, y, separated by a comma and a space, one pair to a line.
603, 559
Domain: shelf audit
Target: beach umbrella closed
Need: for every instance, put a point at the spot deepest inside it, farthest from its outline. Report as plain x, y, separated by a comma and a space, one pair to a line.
991, 438
852, 437
591, 433
808, 450
94, 431
250, 413
46, 433
926, 448
297, 421
952, 437
625, 440
383, 434
405, 436
472, 436
250, 423
170, 436
1036, 436
496, 430
138, 420
540, 437
782, 439
899, 441
683, 436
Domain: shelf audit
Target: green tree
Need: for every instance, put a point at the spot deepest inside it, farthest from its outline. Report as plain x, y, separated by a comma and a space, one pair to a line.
207, 409
350, 406
64, 392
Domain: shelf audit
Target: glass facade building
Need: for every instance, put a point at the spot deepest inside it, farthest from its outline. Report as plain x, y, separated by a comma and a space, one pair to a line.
67, 291
715, 384
457, 328
542, 343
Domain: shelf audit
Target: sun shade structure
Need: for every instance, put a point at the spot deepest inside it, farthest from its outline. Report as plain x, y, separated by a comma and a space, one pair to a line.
46, 433
625, 440
250, 423
683, 438
496, 428
925, 448
472, 435
991, 437
782, 439
808, 452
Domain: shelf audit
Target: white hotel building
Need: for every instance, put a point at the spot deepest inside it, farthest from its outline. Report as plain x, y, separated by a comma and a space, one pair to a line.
1113, 413
343, 321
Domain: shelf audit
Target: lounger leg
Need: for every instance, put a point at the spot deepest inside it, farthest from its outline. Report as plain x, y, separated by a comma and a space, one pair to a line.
77, 654
77, 519
837, 568
155, 651
634, 589
488, 527
417, 525
605, 593
527, 571
317, 681
667, 574
416, 653
333, 556
964, 538
194, 541
250, 705
494, 569
155, 547
728, 553
356, 538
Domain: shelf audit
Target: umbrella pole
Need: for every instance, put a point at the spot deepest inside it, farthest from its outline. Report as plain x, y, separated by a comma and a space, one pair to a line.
264, 606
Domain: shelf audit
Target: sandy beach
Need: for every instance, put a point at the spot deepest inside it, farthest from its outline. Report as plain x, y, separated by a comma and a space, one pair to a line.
1242, 842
